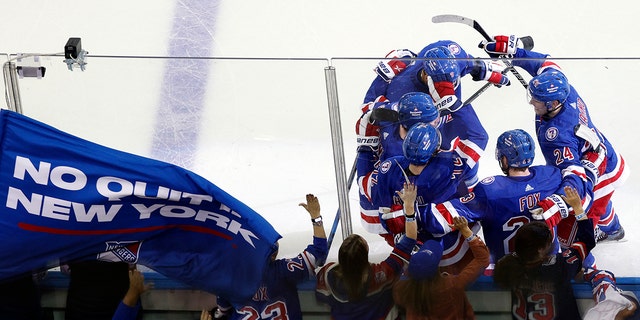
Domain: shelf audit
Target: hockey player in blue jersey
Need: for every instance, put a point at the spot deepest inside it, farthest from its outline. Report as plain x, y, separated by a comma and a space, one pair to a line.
559, 109
382, 138
437, 174
540, 279
277, 296
437, 70
502, 203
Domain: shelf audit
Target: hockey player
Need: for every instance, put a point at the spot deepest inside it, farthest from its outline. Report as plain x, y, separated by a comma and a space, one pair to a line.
437, 70
277, 296
437, 175
559, 109
502, 203
382, 138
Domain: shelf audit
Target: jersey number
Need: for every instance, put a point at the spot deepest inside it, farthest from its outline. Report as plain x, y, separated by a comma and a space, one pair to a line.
512, 226
561, 155
274, 311
542, 306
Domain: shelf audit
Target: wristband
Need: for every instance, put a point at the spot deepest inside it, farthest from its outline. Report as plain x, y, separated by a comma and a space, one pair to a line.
317, 221
413, 215
410, 218
581, 216
473, 236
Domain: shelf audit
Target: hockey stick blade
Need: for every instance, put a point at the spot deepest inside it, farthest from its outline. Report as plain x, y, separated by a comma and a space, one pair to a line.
527, 42
474, 24
381, 115
460, 19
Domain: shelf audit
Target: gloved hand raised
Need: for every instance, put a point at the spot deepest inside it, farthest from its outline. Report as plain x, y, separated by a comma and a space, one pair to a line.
502, 45
551, 209
368, 134
444, 94
491, 71
595, 162
396, 62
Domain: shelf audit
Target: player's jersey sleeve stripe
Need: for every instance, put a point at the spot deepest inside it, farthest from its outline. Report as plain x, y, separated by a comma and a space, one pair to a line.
608, 182
548, 65
470, 151
371, 221
454, 253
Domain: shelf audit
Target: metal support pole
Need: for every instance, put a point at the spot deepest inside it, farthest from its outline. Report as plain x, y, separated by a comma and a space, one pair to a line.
338, 151
12, 92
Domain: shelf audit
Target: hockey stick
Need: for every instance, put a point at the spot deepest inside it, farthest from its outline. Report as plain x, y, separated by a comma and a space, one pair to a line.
334, 227
475, 25
582, 131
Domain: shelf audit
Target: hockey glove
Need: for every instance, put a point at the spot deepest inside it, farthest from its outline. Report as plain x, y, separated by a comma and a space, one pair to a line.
594, 163
396, 62
444, 95
490, 71
502, 45
552, 210
368, 134
392, 219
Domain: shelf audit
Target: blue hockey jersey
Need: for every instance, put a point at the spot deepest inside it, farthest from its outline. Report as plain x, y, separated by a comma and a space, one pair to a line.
500, 203
277, 296
558, 142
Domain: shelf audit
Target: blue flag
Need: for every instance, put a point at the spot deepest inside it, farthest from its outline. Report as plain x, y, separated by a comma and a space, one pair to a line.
63, 198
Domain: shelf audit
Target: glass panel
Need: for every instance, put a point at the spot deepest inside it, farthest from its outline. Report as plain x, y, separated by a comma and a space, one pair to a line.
259, 128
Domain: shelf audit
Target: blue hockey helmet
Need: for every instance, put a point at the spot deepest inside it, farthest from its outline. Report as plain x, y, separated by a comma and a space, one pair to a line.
549, 86
443, 67
415, 107
421, 143
517, 146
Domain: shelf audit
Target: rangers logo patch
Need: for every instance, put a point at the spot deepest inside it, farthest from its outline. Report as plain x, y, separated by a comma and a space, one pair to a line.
126, 251
454, 48
551, 134
385, 166
488, 180
470, 196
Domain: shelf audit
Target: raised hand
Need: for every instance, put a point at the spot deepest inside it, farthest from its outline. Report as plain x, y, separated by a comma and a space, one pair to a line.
396, 62
312, 206
572, 198
491, 71
408, 193
502, 45
460, 223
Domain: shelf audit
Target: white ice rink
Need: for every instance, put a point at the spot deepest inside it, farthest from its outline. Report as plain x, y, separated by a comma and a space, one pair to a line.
259, 127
